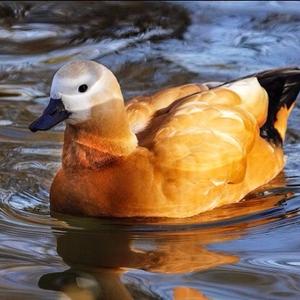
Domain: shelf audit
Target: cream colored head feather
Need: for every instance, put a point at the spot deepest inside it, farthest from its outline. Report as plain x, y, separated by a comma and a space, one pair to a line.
82, 85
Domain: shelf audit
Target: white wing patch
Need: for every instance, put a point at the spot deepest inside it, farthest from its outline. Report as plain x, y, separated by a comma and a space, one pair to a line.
254, 97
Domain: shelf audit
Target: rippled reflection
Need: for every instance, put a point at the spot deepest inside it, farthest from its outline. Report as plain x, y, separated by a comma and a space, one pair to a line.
247, 250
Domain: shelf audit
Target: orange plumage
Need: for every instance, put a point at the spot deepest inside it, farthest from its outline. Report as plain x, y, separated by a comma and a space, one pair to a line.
177, 153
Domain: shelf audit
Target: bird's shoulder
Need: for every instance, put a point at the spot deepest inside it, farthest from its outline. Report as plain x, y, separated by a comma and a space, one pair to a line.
141, 109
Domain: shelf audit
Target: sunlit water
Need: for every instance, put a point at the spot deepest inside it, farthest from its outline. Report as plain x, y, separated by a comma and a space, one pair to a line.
248, 250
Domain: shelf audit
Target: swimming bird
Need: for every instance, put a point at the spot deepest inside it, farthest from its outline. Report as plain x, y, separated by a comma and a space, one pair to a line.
176, 153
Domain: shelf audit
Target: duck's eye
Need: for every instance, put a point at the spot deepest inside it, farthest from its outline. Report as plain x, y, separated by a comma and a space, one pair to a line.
82, 88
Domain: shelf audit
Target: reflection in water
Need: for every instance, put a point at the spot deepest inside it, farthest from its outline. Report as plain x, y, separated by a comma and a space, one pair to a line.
247, 250
99, 258
100, 254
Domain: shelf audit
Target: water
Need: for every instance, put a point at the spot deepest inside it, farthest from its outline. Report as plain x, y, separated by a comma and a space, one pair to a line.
249, 250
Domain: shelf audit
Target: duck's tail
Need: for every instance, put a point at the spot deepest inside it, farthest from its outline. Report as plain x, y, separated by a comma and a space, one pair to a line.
282, 86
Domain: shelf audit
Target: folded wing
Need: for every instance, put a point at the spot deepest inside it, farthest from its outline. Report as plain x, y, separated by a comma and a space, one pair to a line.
210, 132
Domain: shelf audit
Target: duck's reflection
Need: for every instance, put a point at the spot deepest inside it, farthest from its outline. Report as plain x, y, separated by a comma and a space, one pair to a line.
99, 258
101, 252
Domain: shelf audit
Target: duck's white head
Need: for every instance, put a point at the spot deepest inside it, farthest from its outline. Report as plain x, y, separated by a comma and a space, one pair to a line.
76, 89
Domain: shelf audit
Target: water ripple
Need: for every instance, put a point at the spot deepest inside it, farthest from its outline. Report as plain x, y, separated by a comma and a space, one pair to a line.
246, 250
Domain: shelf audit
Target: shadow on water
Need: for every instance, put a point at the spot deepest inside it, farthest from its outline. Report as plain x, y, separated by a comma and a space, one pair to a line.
248, 250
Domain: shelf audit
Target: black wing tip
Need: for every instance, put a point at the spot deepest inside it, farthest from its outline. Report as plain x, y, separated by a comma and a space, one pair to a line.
283, 87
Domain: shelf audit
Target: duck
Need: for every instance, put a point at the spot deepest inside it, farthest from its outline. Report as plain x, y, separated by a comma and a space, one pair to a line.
176, 153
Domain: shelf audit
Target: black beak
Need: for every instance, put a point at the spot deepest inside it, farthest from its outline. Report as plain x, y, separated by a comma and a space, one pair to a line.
54, 113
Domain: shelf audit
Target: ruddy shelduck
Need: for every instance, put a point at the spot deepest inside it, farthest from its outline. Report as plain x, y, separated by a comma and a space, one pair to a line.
177, 153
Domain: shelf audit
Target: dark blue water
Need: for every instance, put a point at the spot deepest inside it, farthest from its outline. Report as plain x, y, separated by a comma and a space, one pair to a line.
249, 250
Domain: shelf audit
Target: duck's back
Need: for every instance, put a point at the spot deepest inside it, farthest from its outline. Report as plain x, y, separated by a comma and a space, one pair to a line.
209, 131
212, 127
215, 146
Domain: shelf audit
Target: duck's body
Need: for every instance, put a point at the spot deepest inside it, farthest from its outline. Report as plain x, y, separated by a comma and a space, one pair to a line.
177, 153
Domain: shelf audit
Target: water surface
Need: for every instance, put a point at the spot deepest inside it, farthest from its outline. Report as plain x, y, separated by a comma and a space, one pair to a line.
249, 250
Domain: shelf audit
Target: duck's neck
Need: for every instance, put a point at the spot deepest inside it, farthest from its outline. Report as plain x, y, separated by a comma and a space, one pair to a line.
104, 138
